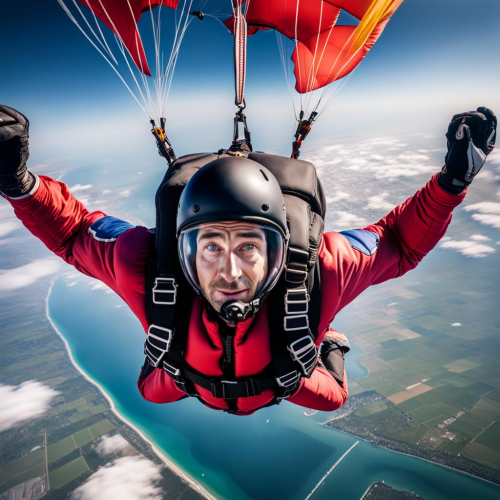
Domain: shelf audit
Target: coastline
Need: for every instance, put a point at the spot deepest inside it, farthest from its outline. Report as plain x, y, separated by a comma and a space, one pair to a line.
172, 466
362, 438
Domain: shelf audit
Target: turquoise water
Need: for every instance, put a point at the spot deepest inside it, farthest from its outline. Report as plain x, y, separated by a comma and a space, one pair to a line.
276, 453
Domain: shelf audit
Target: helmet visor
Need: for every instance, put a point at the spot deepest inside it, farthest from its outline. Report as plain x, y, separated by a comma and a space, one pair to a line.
231, 260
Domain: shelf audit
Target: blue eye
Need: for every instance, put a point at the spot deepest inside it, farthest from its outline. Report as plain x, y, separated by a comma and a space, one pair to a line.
250, 246
212, 248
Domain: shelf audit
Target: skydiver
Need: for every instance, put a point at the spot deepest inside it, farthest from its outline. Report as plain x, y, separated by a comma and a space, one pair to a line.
232, 244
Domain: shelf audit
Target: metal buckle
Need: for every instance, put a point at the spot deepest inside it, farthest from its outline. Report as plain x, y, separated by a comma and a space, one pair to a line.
172, 371
153, 340
289, 319
288, 380
165, 286
295, 276
294, 303
215, 385
306, 355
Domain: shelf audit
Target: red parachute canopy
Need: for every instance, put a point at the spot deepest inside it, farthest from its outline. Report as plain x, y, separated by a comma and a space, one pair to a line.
324, 52
121, 17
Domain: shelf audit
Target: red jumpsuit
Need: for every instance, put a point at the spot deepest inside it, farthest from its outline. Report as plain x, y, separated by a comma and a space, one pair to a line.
399, 241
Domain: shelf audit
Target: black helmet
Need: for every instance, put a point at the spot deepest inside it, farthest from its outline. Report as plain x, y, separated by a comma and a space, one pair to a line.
232, 188
226, 190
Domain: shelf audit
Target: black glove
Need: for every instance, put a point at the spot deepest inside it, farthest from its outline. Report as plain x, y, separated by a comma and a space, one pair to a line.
332, 352
15, 178
471, 138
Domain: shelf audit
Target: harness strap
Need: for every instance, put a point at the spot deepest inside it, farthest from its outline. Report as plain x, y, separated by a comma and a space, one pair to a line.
229, 389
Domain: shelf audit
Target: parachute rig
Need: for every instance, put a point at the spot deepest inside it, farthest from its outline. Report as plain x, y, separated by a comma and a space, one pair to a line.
323, 52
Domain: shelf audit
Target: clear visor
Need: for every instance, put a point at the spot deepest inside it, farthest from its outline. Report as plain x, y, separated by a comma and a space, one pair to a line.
231, 260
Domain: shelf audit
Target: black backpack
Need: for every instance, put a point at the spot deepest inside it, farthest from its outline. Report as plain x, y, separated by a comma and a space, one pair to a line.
296, 295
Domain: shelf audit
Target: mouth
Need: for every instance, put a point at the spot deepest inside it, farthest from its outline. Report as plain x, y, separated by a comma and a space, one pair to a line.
232, 293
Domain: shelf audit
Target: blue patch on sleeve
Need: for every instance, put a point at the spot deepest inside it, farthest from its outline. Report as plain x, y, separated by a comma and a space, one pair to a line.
362, 240
108, 229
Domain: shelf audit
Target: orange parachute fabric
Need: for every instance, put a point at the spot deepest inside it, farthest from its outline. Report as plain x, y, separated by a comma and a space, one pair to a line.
324, 52
121, 17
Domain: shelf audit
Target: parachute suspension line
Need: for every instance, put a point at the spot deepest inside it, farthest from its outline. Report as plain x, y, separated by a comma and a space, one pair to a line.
285, 62
378, 10
70, 15
102, 39
122, 50
304, 125
335, 92
172, 62
312, 72
119, 43
325, 90
296, 47
164, 81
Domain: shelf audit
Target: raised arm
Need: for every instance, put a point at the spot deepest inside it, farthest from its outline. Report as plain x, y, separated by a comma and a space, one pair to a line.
88, 241
353, 260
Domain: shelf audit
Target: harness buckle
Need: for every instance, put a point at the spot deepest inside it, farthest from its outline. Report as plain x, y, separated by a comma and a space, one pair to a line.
297, 322
297, 301
156, 346
168, 288
304, 352
289, 380
174, 372
296, 267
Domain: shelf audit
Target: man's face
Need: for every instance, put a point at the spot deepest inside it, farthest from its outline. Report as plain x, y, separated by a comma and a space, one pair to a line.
231, 261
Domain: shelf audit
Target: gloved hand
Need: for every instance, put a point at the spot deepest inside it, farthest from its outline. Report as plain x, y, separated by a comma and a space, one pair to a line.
471, 138
15, 179
332, 351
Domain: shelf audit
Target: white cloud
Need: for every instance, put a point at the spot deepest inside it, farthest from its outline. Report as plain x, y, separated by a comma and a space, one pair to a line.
346, 220
469, 248
484, 207
479, 237
21, 402
337, 196
127, 478
84, 201
488, 219
80, 187
456, 324
380, 157
108, 445
494, 158
379, 202
98, 286
126, 193
489, 213
20, 277
9, 227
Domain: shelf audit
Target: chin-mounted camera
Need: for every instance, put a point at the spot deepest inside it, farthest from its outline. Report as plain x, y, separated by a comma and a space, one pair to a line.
235, 311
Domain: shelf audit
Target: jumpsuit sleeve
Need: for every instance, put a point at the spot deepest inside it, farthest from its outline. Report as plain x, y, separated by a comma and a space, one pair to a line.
61, 222
397, 243
321, 391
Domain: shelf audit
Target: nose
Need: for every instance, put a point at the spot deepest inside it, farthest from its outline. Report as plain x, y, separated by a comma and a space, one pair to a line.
229, 269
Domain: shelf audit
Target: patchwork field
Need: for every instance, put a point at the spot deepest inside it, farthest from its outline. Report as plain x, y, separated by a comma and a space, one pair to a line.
441, 383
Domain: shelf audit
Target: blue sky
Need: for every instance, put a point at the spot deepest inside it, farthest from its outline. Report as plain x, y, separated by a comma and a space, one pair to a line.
435, 58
